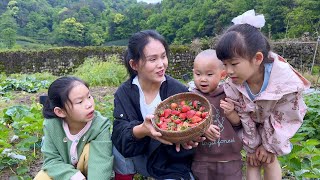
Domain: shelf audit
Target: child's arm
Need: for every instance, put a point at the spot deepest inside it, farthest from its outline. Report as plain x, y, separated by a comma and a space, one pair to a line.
284, 121
54, 164
228, 106
250, 135
100, 153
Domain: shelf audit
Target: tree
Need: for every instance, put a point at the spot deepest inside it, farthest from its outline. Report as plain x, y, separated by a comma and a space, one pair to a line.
70, 32
9, 37
305, 17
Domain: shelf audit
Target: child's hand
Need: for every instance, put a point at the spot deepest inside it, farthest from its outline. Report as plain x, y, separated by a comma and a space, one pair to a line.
213, 132
252, 159
227, 106
264, 156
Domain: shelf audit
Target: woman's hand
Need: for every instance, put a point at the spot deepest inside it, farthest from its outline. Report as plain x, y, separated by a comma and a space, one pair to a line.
264, 156
190, 144
147, 129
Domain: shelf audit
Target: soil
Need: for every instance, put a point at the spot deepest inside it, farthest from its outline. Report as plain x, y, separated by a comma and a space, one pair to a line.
26, 98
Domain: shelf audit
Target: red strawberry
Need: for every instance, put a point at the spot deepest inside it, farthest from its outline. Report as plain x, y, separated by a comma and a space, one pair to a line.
166, 120
182, 116
196, 119
159, 123
198, 113
202, 108
175, 112
164, 126
204, 114
167, 113
182, 103
177, 121
195, 104
191, 113
185, 108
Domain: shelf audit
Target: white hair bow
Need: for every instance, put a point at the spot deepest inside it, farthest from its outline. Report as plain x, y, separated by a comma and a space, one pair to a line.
250, 18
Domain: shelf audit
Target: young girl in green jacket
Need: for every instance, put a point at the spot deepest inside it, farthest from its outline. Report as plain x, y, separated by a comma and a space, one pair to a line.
77, 141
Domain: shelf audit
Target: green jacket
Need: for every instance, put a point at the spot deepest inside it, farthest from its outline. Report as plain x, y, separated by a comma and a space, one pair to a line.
57, 161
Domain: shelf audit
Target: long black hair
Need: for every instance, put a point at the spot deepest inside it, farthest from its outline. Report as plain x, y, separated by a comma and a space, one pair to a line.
58, 94
137, 43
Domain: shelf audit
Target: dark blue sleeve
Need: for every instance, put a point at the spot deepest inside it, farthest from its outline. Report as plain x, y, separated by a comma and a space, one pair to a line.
122, 135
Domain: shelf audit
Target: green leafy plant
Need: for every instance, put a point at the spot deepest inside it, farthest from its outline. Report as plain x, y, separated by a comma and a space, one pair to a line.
29, 84
304, 160
24, 123
105, 107
99, 73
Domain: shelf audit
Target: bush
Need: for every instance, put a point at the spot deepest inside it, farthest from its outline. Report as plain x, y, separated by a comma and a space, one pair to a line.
99, 73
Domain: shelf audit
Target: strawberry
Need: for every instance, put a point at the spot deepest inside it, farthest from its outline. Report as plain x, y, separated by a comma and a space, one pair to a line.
173, 106
182, 103
167, 120
161, 118
159, 123
185, 108
167, 113
195, 104
183, 116
196, 119
191, 113
198, 113
204, 114
175, 112
177, 121
202, 108
164, 126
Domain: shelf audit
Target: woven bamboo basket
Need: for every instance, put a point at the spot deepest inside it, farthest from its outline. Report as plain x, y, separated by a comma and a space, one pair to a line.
190, 133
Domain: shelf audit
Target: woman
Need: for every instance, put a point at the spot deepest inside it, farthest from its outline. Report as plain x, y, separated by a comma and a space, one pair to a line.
146, 60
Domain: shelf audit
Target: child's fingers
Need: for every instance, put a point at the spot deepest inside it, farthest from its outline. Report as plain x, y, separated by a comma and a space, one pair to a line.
230, 100
214, 131
215, 127
211, 138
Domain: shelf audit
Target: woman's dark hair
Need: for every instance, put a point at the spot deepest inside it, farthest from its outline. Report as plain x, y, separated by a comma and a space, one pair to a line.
58, 94
137, 43
242, 40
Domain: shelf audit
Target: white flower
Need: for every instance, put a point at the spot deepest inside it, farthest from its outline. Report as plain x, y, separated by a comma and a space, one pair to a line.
250, 18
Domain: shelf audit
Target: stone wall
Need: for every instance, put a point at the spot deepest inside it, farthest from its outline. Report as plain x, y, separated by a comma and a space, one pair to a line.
62, 61
58, 61
298, 54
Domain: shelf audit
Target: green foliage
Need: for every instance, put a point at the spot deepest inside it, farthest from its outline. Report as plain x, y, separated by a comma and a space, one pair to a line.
304, 160
26, 124
105, 107
70, 31
94, 22
28, 84
99, 73
310, 126
43, 76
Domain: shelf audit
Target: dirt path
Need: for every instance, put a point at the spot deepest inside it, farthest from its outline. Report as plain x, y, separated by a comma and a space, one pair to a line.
25, 98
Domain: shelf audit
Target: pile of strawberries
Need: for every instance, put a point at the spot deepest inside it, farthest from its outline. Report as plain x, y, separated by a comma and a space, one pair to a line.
181, 116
